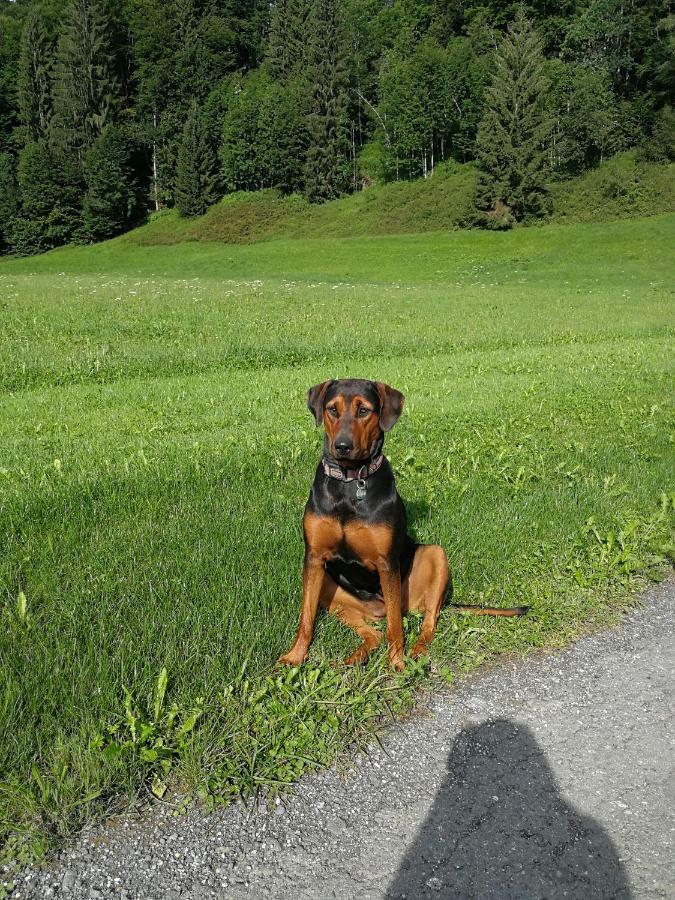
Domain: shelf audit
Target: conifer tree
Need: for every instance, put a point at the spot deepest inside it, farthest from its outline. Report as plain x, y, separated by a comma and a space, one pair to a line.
85, 86
10, 43
286, 45
327, 162
195, 185
9, 198
113, 200
511, 139
33, 86
49, 213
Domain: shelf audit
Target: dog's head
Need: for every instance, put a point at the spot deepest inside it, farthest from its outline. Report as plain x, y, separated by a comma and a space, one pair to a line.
354, 413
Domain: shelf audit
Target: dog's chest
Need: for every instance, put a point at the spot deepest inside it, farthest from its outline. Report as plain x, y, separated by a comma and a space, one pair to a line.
351, 541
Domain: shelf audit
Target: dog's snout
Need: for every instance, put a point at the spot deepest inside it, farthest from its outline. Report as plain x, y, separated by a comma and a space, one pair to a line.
342, 445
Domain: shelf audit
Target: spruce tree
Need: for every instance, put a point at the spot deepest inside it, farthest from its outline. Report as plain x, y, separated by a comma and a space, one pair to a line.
512, 135
327, 160
9, 199
85, 86
113, 200
33, 83
286, 45
11, 15
195, 185
49, 214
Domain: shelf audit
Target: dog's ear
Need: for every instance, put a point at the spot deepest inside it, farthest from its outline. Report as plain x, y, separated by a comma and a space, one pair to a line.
315, 397
391, 405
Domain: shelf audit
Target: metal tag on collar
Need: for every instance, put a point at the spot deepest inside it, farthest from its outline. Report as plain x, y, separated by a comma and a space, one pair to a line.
361, 485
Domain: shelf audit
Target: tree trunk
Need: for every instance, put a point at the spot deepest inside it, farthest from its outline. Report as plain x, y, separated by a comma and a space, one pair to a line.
354, 176
155, 186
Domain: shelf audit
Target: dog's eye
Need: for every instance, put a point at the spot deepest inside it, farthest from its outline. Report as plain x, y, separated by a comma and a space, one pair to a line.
333, 411
363, 412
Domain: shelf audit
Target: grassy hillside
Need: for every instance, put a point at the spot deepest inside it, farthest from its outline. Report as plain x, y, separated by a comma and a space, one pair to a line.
156, 452
622, 187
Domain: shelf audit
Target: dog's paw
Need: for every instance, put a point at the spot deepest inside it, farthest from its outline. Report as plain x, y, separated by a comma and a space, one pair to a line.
358, 657
397, 662
292, 658
421, 648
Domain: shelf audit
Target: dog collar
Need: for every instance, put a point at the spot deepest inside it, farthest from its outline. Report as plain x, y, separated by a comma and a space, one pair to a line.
359, 474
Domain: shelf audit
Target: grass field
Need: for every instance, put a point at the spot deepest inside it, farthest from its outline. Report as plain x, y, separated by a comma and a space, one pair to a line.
155, 455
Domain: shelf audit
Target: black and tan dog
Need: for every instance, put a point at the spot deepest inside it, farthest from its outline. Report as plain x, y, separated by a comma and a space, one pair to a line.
360, 563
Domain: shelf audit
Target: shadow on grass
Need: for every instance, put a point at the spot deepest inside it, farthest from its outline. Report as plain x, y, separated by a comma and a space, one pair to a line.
417, 511
499, 828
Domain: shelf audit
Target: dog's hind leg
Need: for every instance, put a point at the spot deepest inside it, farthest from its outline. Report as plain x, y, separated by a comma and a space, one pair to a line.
426, 588
354, 613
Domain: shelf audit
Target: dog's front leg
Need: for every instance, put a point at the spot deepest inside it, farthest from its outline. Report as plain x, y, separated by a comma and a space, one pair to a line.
390, 580
312, 581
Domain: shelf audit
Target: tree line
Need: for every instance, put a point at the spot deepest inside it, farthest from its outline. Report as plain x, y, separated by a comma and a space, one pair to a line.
112, 108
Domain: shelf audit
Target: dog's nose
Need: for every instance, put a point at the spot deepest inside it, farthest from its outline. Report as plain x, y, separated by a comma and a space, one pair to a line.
343, 446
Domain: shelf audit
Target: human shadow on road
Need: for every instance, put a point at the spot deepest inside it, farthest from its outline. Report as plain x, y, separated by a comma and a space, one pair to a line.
499, 828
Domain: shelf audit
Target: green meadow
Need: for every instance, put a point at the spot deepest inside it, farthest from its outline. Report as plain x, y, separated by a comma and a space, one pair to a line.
156, 453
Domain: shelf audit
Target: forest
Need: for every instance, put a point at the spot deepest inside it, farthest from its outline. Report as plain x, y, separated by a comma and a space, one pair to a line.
110, 110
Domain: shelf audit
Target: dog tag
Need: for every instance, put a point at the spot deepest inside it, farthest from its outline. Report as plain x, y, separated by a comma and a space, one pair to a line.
360, 488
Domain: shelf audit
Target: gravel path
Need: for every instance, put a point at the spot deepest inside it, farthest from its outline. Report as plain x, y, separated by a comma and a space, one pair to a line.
548, 778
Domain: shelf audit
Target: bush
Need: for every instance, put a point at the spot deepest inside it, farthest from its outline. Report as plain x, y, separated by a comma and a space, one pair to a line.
660, 147
498, 218
621, 187
374, 164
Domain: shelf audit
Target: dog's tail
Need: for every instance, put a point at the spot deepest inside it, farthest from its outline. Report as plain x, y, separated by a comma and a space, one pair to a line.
490, 610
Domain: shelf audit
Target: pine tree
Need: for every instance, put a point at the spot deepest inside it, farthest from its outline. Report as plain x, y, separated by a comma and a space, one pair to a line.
327, 161
286, 45
49, 214
9, 198
85, 86
33, 86
113, 201
512, 135
195, 186
11, 15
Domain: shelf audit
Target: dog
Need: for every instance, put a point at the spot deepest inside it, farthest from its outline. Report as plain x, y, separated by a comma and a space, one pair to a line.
360, 563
